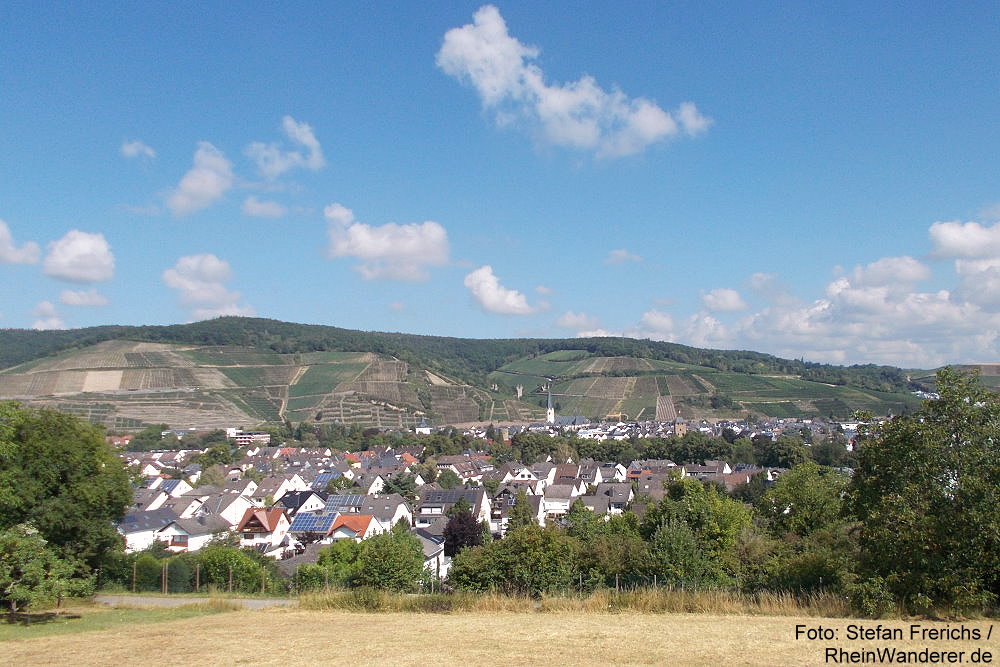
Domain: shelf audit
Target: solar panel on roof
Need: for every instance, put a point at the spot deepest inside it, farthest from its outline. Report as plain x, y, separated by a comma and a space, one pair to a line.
312, 523
333, 503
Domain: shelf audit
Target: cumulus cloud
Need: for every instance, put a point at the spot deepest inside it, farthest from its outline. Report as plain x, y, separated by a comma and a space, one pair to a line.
723, 300
621, 256
272, 160
579, 114
964, 240
577, 321
207, 181
494, 297
262, 208
133, 149
47, 316
10, 253
80, 257
389, 251
89, 297
200, 281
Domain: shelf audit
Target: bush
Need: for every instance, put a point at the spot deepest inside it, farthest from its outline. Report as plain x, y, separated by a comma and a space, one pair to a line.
872, 598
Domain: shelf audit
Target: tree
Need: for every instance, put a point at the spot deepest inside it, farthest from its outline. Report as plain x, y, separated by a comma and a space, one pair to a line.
404, 483
521, 513
58, 473
449, 479
803, 500
392, 561
462, 530
150, 438
785, 452
29, 570
925, 489
529, 561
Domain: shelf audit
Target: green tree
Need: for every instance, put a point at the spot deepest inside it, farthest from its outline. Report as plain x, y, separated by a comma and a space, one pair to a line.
521, 514
58, 473
785, 452
805, 499
391, 561
926, 489
677, 556
30, 572
528, 561
448, 479
715, 521
150, 438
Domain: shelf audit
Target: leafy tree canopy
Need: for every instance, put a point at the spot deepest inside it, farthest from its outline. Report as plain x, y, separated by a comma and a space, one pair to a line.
926, 491
58, 473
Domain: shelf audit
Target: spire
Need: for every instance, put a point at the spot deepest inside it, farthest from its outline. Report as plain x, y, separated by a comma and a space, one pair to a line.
550, 413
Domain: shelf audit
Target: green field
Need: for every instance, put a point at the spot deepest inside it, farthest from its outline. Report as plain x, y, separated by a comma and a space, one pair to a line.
324, 378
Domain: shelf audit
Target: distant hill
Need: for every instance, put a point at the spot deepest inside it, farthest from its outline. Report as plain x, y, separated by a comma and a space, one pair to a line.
248, 371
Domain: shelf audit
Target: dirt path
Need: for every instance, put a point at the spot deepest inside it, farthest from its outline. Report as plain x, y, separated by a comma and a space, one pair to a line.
169, 601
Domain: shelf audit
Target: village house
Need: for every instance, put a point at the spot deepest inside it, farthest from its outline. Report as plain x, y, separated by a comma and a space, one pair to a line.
194, 533
264, 529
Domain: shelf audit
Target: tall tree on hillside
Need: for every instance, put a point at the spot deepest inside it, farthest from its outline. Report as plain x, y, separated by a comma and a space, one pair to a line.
926, 489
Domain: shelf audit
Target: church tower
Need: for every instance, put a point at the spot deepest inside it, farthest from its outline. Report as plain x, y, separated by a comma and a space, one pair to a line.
550, 412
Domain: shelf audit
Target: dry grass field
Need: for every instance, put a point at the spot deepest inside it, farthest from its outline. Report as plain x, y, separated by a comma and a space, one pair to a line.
295, 636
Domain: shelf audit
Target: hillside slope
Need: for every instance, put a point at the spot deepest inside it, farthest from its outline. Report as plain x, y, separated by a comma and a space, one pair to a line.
248, 371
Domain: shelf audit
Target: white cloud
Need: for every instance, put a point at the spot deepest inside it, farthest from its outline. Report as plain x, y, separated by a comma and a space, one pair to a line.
262, 208
577, 321
723, 300
11, 254
206, 181
48, 317
900, 272
968, 240
389, 251
272, 161
200, 281
579, 114
132, 149
89, 297
544, 290
494, 297
621, 256
80, 257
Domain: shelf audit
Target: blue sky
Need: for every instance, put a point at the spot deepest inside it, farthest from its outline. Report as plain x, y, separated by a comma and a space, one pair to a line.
815, 181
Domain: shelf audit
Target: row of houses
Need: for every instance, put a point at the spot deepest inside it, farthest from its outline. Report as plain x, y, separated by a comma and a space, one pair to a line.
293, 505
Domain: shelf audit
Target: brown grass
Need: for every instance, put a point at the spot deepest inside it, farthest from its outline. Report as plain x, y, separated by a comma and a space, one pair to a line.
295, 636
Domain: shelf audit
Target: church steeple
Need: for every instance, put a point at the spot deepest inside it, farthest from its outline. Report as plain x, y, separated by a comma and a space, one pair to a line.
550, 412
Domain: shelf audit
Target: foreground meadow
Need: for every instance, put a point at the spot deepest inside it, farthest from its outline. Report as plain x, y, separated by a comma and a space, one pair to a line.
290, 636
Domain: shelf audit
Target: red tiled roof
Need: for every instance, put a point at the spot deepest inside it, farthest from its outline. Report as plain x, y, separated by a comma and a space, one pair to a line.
356, 523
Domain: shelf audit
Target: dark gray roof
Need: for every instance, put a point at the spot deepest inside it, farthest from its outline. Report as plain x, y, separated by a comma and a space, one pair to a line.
136, 522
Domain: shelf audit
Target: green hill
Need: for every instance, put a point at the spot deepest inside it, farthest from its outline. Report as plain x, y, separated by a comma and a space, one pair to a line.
236, 371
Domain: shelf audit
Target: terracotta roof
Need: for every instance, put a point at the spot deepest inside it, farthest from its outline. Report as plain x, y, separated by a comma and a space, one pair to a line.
356, 523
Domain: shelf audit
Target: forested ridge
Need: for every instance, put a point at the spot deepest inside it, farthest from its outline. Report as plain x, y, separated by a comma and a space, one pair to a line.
466, 359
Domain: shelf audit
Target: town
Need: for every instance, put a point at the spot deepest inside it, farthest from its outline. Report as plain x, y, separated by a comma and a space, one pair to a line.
287, 499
